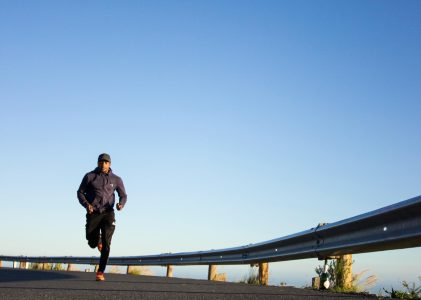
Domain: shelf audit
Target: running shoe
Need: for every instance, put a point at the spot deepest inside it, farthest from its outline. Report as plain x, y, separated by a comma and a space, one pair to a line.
100, 276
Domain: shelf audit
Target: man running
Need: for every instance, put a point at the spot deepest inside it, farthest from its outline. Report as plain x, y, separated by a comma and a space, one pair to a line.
96, 194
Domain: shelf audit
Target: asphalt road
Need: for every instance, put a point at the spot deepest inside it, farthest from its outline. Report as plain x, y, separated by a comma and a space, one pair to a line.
34, 285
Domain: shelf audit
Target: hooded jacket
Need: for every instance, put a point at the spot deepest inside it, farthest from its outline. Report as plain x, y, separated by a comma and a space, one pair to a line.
97, 189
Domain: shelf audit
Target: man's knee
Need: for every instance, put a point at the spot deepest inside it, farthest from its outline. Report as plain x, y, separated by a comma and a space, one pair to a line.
106, 248
93, 239
92, 244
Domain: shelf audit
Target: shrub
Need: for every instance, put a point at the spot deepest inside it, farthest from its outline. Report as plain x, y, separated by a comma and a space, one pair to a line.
331, 272
412, 291
334, 271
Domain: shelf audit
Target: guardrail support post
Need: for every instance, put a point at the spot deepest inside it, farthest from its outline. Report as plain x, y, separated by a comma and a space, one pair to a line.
263, 273
344, 263
315, 283
169, 271
69, 267
1, 264
211, 272
130, 269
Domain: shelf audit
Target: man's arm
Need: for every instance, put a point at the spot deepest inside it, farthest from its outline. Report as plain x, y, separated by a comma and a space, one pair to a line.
81, 193
121, 191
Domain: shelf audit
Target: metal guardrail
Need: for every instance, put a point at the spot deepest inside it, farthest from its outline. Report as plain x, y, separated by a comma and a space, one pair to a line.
396, 226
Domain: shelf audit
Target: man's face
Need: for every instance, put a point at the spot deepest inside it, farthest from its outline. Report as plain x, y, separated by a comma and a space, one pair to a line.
104, 166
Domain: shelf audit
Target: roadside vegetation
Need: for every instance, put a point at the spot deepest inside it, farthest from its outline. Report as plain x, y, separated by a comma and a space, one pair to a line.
411, 291
46, 266
139, 270
360, 283
252, 277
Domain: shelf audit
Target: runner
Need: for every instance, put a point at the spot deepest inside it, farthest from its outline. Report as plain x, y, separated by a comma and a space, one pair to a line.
96, 194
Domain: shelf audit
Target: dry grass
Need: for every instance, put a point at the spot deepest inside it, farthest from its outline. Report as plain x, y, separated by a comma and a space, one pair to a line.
359, 284
114, 270
140, 271
252, 277
363, 284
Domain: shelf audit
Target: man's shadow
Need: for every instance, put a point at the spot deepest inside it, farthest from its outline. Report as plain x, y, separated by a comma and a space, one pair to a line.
9, 275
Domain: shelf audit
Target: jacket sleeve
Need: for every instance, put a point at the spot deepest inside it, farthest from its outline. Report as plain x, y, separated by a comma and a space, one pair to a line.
121, 191
82, 190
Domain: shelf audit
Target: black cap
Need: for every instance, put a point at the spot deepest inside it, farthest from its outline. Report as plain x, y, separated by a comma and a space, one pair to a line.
104, 156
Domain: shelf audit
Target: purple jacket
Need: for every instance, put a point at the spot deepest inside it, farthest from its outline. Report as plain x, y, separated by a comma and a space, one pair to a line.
97, 189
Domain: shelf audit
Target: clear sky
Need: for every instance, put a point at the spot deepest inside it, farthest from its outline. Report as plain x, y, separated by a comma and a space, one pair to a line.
230, 122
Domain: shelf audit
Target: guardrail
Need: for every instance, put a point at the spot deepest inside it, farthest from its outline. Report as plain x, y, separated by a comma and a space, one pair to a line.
392, 227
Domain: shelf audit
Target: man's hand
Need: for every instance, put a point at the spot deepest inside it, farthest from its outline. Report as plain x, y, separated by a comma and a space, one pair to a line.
119, 206
90, 209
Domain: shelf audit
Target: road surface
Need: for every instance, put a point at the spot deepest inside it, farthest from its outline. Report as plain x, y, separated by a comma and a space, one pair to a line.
34, 285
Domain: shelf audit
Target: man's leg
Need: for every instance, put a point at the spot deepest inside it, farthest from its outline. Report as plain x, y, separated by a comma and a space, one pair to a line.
93, 222
107, 231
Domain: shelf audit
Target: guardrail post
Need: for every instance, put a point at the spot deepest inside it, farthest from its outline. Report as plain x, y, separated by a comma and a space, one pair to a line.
211, 272
344, 274
70, 267
315, 283
129, 269
133, 270
23, 265
169, 271
1, 264
263, 273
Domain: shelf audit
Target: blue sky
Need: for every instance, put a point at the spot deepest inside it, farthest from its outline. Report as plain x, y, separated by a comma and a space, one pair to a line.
230, 122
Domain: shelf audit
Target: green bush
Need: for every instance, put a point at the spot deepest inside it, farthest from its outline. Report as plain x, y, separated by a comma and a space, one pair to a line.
330, 272
411, 291
334, 271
